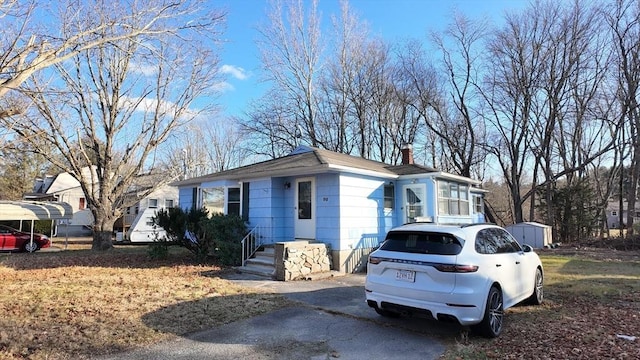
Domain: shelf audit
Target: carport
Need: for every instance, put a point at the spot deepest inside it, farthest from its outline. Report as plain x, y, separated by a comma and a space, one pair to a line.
34, 210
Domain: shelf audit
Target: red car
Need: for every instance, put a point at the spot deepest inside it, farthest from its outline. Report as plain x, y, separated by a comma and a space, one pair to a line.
12, 239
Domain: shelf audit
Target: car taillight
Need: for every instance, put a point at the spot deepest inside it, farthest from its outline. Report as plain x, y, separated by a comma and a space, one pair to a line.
456, 268
374, 260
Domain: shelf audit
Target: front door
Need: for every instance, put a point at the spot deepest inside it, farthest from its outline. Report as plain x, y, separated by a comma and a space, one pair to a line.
305, 223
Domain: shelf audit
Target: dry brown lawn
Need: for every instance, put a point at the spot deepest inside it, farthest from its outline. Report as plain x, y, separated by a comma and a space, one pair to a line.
592, 300
77, 303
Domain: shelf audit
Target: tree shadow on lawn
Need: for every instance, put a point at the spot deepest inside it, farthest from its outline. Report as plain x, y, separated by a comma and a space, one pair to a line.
125, 257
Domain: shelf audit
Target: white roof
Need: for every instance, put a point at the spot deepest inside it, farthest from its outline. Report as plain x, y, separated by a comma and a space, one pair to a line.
528, 224
34, 210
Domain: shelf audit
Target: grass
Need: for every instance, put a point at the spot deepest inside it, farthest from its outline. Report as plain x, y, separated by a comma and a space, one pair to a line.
588, 302
76, 303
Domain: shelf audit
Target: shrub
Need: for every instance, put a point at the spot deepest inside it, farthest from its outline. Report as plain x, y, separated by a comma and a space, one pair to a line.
217, 236
159, 249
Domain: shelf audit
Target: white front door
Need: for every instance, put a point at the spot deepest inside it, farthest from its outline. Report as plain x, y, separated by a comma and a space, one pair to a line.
305, 223
414, 202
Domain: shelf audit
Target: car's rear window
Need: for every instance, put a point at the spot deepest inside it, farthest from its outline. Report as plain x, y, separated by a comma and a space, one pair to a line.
422, 243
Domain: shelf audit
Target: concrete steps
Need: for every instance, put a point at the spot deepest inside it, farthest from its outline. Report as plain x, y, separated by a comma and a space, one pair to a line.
261, 264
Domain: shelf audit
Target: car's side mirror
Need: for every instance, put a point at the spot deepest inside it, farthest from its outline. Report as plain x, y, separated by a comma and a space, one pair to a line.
527, 248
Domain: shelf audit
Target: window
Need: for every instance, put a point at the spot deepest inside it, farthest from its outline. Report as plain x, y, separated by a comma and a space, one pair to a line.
153, 203
478, 206
453, 198
81, 204
233, 204
614, 213
414, 204
213, 200
637, 214
389, 196
495, 241
304, 200
245, 201
221, 200
168, 203
194, 198
422, 243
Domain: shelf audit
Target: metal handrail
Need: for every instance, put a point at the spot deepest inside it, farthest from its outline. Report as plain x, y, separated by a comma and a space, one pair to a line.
250, 244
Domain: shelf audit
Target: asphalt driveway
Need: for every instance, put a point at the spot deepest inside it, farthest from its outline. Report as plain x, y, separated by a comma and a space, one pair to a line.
330, 320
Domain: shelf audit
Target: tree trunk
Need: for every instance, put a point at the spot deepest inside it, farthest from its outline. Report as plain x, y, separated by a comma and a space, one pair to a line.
102, 240
103, 232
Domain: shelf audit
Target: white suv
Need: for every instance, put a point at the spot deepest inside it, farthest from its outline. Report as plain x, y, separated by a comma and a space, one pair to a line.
469, 274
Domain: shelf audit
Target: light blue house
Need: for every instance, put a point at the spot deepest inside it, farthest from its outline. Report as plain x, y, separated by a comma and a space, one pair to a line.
341, 200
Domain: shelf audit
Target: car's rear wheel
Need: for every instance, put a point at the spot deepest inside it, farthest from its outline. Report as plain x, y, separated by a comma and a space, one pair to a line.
491, 325
537, 296
30, 246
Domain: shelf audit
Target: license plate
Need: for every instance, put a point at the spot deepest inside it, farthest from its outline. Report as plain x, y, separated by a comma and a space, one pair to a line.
406, 275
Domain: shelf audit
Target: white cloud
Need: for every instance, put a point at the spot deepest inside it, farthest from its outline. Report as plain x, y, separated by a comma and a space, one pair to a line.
145, 70
223, 87
235, 71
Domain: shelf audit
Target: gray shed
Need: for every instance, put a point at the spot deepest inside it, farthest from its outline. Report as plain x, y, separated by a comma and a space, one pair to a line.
531, 233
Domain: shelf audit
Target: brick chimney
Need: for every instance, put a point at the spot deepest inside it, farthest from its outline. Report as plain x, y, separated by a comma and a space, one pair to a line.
407, 154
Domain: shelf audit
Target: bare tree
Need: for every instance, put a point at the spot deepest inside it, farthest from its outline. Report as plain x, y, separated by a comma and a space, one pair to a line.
623, 17
114, 105
454, 119
291, 51
269, 128
335, 109
207, 146
510, 93
28, 46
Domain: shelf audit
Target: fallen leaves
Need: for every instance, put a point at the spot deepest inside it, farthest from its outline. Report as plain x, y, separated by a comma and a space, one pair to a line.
77, 304
581, 317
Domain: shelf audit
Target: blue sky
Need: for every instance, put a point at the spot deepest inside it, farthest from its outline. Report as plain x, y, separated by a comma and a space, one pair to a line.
394, 20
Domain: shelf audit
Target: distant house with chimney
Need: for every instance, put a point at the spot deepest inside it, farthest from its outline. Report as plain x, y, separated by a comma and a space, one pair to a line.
346, 202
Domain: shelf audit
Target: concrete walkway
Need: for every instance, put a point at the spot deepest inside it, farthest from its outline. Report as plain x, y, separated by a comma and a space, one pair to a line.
330, 320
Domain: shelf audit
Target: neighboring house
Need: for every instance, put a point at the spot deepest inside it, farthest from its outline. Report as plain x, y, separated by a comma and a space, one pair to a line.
65, 188
344, 201
613, 215
137, 223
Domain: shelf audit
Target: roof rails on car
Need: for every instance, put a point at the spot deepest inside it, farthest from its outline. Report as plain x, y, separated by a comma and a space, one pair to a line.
476, 224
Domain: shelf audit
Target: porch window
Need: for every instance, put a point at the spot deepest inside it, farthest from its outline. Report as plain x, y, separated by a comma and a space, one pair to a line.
478, 206
389, 196
453, 198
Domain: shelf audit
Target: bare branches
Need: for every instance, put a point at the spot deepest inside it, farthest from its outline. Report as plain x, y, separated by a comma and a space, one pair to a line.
119, 83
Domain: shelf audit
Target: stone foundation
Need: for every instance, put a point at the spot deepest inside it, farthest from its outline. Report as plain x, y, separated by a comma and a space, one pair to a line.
298, 260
